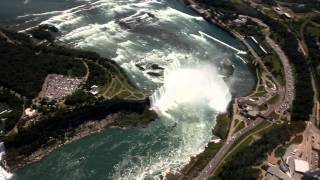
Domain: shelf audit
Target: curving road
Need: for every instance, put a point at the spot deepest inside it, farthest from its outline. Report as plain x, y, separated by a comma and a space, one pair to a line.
287, 95
215, 162
289, 91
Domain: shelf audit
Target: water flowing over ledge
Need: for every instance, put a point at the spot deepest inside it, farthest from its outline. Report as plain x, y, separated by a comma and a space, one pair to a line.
196, 84
188, 93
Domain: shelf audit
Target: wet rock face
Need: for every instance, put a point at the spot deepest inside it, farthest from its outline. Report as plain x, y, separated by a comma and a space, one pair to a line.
226, 68
147, 66
156, 67
153, 70
140, 67
156, 74
44, 32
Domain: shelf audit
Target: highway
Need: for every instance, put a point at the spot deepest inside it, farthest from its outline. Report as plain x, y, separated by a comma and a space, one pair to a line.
215, 162
289, 92
286, 94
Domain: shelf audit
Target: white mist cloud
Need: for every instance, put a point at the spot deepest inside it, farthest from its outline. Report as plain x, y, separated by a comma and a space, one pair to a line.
196, 85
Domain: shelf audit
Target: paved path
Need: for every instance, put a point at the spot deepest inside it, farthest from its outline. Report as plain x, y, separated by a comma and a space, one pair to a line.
215, 162
287, 96
288, 93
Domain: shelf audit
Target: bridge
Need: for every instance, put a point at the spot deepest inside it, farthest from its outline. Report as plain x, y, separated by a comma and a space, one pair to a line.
222, 43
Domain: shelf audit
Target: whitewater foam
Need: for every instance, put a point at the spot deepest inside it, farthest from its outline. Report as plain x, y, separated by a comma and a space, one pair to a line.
196, 84
187, 97
4, 175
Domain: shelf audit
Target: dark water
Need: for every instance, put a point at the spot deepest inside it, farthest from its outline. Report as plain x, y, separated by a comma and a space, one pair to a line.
150, 32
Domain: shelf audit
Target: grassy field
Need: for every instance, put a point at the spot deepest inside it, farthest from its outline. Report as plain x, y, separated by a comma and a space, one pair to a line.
273, 63
116, 84
274, 99
240, 126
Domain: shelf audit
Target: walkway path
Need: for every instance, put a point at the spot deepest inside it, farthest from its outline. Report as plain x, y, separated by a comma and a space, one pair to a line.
216, 161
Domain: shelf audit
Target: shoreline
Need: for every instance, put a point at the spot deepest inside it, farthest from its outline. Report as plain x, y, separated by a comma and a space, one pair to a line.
203, 12
31, 144
84, 130
190, 170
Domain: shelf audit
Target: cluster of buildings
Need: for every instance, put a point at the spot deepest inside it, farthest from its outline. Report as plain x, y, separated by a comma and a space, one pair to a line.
248, 109
301, 160
94, 90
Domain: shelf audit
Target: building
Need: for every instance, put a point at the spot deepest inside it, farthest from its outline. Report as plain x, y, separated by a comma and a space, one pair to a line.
301, 166
94, 90
30, 112
284, 167
287, 15
254, 39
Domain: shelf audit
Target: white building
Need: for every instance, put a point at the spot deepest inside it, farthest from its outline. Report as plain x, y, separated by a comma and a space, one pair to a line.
301, 166
30, 112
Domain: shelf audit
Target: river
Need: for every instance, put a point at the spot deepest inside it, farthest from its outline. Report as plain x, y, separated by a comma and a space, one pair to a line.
187, 95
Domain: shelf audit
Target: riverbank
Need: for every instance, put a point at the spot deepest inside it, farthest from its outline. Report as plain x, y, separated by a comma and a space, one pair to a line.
205, 14
223, 121
69, 118
84, 130
159, 142
198, 162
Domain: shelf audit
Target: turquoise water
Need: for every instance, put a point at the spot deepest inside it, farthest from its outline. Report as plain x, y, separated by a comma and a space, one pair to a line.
188, 96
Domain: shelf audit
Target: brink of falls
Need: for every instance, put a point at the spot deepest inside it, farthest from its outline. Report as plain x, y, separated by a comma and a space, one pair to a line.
158, 44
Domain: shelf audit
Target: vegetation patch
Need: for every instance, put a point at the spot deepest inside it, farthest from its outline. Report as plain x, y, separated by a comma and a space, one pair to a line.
200, 161
222, 126
11, 109
280, 151
240, 126
241, 164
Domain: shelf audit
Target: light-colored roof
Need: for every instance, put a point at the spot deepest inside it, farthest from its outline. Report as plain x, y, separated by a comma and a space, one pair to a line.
301, 165
30, 112
94, 92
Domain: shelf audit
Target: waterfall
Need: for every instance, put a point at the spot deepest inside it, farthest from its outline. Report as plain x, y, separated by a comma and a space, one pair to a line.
196, 84
3, 173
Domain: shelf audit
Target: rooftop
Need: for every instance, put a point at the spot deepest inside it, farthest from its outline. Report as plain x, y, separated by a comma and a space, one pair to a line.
301, 165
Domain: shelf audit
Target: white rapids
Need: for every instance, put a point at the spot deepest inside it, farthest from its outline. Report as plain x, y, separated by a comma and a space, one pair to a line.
191, 84
162, 37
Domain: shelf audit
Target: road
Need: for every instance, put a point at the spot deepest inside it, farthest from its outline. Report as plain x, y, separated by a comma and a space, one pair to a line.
287, 96
280, 90
215, 162
289, 92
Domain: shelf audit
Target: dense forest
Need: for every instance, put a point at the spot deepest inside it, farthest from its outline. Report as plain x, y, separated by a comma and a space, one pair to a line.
314, 50
24, 66
303, 102
98, 76
14, 104
54, 127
